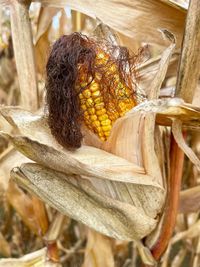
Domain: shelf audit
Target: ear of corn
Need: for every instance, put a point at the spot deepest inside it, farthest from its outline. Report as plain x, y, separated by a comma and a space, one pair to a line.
102, 108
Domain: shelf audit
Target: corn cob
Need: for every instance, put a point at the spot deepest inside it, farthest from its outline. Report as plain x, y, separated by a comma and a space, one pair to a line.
90, 82
100, 108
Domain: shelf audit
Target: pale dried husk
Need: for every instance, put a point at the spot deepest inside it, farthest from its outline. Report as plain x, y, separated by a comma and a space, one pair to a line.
82, 163
75, 197
131, 18
169, 109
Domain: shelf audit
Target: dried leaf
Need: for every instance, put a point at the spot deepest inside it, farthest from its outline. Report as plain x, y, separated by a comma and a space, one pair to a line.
148, 70
190, 200
25, 62
24, 206
4, 2
192, 232
37, 258
180, 257
8, 160
87, 161
163, 65
171, 108
41, 51
177, 132
98, 251
188, 77
5, 249
182, 4
130, 18
74, 196
55, 227
45, 18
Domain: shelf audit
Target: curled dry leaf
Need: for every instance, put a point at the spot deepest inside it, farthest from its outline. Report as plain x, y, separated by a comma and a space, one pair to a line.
177, 132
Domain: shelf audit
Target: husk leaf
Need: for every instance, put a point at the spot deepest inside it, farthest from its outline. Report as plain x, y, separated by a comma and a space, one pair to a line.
130, 17
75, 197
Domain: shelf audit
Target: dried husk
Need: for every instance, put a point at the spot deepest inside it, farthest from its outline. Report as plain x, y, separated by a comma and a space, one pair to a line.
168, 109
130, 18
44, 20
74, 196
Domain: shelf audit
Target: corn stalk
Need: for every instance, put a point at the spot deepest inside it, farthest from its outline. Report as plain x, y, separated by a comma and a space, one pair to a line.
188, 75
26, 69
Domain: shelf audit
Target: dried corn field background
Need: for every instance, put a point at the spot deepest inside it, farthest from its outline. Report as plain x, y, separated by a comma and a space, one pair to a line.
131, 201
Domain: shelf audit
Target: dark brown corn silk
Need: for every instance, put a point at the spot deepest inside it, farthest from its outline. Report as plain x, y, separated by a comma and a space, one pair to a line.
72, 59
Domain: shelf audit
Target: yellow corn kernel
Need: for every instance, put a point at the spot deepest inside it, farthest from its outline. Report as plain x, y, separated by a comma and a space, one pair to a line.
99, 115
86, 115
107, 133
100, 55
101, 134
96, 94
122, 105
122, 113
103, 117
98, 100
113, 115
106, 128
83, 107
89, 102
83, 101
80, 96
106, 122
99, 106
86, 93
91, 111
116, 78
101, 111
93, 117
94, 86
96, 123
83, 84
112, 69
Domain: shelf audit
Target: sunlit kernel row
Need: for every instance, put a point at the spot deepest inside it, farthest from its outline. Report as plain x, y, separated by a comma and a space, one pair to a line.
98, 116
